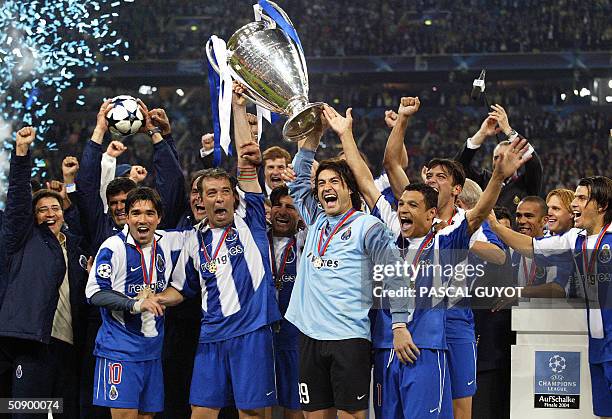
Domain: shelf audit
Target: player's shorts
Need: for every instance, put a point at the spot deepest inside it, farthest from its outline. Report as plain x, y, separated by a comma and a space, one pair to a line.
601, 387
419, 390
382, 359
236, 371
129, 385
334, 373
462, 368
287, 377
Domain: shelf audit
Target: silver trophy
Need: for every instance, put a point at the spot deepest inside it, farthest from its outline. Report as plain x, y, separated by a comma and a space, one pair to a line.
263, 58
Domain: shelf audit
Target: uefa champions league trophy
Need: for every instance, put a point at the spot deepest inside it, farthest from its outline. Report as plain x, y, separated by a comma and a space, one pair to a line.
272, 67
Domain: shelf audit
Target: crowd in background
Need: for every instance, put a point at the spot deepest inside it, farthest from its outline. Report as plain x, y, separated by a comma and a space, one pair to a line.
388, 27
574, 140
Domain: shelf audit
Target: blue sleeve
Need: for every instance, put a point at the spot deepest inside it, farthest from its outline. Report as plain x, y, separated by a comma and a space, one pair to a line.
491, 237
91, 206
255, 211
301, 191
19, 219
170, 183
112, 300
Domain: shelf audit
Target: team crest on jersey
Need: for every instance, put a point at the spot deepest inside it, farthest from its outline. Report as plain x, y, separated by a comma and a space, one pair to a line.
104, 271
540, 272
291, 256
605, 254
346, 235
160, 263
232, 236
18, 372
113, 393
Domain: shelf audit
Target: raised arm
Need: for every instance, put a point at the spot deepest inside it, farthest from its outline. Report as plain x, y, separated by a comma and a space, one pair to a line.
249, 154
510, 160
343, 126
395, 148
519, 242
19, 219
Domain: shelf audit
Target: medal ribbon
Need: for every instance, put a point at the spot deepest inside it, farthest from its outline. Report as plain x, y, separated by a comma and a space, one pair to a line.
331, 235
532, 271
589, 263
216, 252
422, 247
148, 279
284, 257
450, 220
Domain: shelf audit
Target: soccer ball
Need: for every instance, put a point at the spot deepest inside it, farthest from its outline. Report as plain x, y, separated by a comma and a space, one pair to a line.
556, 363
124, 118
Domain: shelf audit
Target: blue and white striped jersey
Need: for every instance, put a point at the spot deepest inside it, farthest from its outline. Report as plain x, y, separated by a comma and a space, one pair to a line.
448, 248
237, 288
574, 252
118, 267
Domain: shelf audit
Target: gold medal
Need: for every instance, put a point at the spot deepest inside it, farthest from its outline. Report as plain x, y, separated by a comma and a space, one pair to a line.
145, 292
317, 262
212, 267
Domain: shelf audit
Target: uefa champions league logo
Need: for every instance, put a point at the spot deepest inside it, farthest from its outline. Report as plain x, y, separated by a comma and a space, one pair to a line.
557, 364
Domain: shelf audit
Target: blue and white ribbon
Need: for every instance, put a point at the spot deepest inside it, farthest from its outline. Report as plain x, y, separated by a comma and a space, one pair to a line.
221, 98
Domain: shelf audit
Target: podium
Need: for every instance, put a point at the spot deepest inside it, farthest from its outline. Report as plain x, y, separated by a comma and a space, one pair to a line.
550, 369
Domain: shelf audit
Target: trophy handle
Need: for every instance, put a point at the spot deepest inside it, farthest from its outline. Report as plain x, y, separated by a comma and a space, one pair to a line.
300, 50
252, 96
211, 60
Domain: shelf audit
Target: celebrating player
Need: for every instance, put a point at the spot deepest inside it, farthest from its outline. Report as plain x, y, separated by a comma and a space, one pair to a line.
228, 259
130, 268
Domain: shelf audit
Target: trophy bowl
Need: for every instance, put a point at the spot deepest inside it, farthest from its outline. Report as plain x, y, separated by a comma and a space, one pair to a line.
264, 59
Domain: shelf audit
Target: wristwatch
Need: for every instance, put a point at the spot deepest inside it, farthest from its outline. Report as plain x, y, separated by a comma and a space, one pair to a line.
153, 131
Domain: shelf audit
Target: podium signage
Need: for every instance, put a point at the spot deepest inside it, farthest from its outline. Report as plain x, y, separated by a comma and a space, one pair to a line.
557, 380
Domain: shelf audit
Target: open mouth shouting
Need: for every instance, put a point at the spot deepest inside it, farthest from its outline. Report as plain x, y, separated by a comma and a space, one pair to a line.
120, 216
406, 223
577, 215
276, 180
330, 199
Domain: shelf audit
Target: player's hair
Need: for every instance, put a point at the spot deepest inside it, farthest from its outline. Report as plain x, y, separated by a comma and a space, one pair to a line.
278, 193
430, 195
565, 195
143, 193
194, 176
503, 212
454, 169
600, 190
342, 168
119, 185
470, 194
276, 152
46, 193
538, 201
219, 173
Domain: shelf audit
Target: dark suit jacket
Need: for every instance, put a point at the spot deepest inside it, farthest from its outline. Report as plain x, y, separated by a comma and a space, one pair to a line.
529, 182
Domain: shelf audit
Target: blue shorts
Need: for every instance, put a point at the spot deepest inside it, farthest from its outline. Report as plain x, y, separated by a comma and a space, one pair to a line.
601, 387
419, 390
382, 358
288, 378
129, 385
462, 368
236, 371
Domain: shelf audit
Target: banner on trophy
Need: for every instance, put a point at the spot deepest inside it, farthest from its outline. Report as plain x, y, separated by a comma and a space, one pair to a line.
557, 380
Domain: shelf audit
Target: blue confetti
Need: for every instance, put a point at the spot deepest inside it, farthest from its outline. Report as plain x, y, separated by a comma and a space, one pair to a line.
41, 41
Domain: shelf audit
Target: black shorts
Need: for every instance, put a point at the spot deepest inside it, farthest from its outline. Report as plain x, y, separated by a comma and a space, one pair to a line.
334, 373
